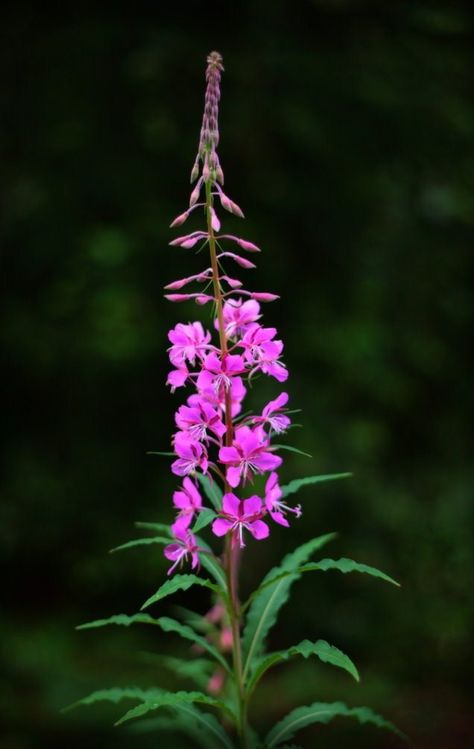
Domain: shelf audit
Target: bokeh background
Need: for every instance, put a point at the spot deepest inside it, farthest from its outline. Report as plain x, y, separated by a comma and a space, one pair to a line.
347, 134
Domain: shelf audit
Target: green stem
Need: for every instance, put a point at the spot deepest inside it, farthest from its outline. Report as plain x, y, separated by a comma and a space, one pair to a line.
231, 551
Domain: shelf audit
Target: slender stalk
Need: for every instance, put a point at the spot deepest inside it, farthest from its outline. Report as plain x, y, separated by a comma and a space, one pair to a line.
231, 551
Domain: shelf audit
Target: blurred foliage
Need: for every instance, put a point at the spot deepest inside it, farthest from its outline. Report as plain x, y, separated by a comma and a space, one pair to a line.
347, 132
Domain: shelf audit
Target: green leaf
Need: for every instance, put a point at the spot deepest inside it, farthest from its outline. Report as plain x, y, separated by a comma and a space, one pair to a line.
322, 712
160, 527
115, 695
181, 582
268, 599
173, 700
211, 490
292, 449
341, 565
162, 453
170, 625
198, 670
122, 620
166, 624
148, 540
325, 652
204, 728
204, 518
295, 485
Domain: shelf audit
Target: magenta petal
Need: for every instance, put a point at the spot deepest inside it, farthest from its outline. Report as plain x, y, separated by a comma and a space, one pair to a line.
193, 493
181, 524
279, 518
233, 476
267, 461
229, 455
181, 500
221, 526
259, 529
172, 551
231, 505
252, 506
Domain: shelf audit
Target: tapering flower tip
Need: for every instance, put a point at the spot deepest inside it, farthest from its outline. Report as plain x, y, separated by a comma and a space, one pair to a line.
194, 197
236, 210
264, 296
179, 219
203, 299
179, 297
188, 240
242, 261
215, 223
249, 246
194, 172
219, 174
234, 283
214, 60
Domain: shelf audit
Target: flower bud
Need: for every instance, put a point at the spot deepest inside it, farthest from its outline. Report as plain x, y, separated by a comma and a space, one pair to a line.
215, 223
249, 246
194, 197
236, 210
264, 296
179, 219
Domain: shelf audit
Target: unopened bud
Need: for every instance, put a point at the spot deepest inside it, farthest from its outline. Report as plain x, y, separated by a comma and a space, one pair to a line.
215, 223
179, 219
195, 172
249, 246
194, 197
203, 299
264, 296
235, 209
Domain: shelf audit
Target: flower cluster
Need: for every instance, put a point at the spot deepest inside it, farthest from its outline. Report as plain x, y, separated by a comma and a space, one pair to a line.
213, 437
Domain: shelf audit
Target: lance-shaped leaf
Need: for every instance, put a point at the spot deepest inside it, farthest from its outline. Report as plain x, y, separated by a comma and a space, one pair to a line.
322, 712
166, 624
170, 625
322, 649
147, 541
297, 484
341, 565
121, 620
211, 490
181, 582
173, 700
270, 597
115, 695
204, 519
203, 728
158, 527
198, 670
292, 449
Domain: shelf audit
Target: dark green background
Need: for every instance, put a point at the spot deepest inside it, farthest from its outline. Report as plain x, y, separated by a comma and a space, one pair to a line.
347, 134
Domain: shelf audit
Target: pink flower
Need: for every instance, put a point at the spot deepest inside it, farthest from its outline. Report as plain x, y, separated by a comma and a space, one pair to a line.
188, 501
273, 416
218, 373
249, 453
238, 316
191, 455
239, 514
184, 546
177, 377
189, 341
198, 418
274, 505
217, 399
262, 352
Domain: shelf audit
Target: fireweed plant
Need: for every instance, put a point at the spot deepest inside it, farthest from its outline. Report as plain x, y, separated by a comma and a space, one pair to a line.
218, 448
